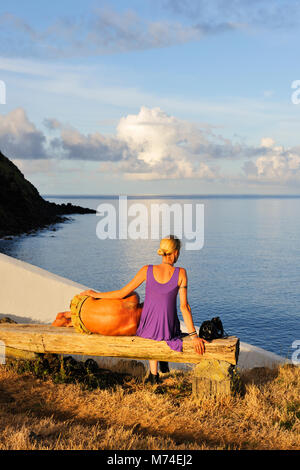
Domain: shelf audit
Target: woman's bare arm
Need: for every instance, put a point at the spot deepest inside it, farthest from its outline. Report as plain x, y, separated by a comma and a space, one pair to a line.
187, 313
184, 305
138, 279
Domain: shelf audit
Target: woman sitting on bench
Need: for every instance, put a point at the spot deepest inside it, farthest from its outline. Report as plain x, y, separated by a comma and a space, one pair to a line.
156, 319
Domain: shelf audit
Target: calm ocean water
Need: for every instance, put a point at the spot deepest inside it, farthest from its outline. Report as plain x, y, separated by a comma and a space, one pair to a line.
247, 272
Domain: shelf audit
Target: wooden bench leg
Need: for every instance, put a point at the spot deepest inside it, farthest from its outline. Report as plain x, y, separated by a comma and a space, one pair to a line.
213, 378
12, 353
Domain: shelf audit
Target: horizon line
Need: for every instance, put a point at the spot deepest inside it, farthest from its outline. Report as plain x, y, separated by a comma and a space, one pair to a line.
166, 196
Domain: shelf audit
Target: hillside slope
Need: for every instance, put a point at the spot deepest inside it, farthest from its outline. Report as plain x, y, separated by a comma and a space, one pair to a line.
22, 209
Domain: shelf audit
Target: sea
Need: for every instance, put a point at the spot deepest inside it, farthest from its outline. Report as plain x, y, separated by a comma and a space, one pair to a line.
246, 271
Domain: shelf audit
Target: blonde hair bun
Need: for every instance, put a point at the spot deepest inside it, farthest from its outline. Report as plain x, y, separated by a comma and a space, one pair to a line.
168, 245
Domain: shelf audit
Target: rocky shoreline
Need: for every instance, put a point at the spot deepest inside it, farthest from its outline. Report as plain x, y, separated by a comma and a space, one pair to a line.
22, 208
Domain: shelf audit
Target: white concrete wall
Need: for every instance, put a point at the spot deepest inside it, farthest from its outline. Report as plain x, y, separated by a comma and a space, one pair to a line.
31, 294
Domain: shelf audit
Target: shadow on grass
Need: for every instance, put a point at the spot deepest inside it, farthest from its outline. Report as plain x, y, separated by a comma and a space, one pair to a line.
259, 376
66, 370
28, 399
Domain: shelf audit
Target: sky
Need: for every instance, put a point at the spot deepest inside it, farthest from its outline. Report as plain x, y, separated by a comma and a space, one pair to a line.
152, 97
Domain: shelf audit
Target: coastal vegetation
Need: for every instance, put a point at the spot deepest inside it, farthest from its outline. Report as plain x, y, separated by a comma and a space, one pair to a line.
22, 208
44, 409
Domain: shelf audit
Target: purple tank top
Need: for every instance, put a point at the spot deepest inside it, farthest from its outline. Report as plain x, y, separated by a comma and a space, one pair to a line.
159, 318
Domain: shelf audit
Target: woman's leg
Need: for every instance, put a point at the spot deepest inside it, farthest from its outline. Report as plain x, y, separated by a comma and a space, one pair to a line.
63, 319
153, 367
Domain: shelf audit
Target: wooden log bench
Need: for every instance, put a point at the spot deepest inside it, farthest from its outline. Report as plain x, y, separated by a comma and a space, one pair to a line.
214, 374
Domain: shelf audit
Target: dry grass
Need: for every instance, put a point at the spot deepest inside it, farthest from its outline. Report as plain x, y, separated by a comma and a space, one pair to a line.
38, 414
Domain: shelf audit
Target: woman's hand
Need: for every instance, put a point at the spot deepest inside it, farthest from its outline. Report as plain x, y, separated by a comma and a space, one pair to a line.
91, 293
199, 344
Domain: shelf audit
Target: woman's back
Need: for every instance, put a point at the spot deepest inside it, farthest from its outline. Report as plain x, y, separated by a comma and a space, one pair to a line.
159, 318
163, 272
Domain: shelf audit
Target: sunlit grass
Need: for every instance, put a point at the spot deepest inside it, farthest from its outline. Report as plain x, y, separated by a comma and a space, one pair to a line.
37, 413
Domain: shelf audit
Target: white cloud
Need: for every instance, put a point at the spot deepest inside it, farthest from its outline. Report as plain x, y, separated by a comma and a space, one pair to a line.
63, 80
279, 165
167, 145
19, 137
48, 167
103, 31
94, 147
149, 145
255, 13
267, 142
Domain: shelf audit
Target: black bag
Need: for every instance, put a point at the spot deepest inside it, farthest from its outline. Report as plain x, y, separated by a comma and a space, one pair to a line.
211, 329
